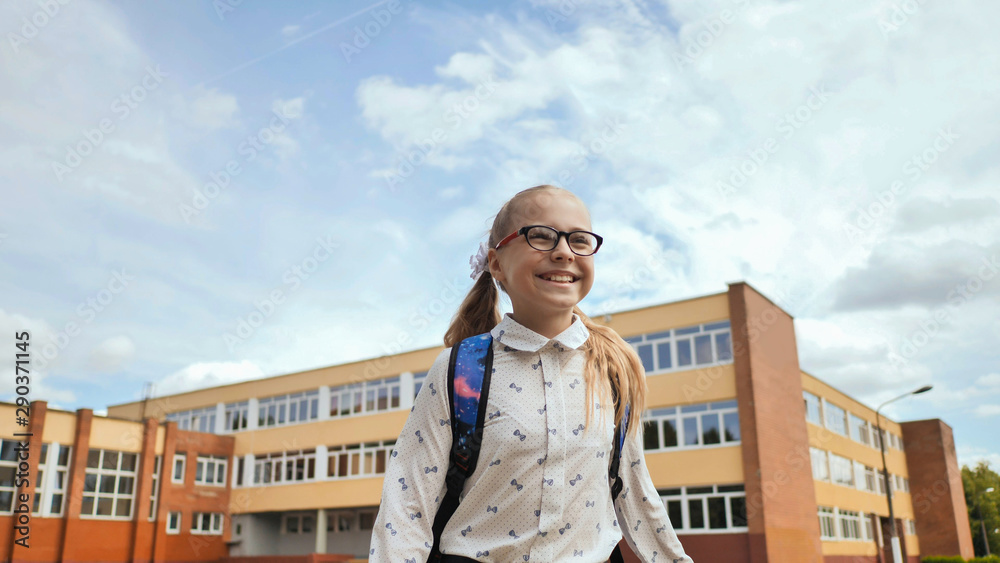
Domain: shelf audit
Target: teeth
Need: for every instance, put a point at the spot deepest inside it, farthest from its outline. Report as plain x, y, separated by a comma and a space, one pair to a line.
558, 278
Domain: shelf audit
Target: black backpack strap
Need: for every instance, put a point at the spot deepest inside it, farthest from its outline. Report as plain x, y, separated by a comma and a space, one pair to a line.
472, 362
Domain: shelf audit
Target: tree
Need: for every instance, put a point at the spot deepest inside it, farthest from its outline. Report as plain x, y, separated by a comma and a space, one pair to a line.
976, 481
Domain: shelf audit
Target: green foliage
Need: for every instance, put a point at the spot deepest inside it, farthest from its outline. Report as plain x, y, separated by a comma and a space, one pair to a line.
943, 559
976, 481
990, 559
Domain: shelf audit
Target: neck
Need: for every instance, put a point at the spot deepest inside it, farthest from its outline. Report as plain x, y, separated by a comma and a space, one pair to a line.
545, 323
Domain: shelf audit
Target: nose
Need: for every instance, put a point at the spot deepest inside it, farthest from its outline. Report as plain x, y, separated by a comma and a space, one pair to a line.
562, 250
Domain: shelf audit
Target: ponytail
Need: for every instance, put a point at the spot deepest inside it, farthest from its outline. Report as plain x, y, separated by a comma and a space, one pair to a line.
478, 313
612, 361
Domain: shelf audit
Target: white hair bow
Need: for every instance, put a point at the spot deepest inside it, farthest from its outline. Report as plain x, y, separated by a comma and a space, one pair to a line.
478, 261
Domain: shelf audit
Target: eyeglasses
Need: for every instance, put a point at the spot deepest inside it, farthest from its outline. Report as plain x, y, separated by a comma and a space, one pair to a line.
543, 238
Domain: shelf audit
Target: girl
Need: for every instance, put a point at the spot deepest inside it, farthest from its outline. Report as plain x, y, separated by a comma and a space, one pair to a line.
540, 491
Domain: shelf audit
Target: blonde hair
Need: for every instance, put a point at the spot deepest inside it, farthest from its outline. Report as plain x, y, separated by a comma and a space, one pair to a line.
609, 358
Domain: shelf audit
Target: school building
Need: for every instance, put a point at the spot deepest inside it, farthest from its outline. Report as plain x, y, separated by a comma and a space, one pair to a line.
755, 459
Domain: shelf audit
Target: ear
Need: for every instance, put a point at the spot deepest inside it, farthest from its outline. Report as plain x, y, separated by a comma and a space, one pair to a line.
493, 262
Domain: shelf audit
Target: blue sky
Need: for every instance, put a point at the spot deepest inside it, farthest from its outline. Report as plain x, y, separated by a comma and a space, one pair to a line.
173, 172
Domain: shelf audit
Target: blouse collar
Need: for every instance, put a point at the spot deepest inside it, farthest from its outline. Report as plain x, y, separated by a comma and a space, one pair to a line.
515, 335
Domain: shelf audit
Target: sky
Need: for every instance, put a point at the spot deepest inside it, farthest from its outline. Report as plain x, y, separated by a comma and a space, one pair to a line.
200, 193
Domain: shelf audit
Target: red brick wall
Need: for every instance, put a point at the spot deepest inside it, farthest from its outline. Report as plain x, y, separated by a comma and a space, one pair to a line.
781, 498
936, 485
74, 539
710, 548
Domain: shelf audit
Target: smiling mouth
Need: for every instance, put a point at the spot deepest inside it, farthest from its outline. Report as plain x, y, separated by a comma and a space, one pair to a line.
561, 279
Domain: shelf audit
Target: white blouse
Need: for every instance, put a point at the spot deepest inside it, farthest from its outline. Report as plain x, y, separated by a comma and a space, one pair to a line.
540, 490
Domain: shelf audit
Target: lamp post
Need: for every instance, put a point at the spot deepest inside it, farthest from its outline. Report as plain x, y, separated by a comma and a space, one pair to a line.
979, 509
897, 555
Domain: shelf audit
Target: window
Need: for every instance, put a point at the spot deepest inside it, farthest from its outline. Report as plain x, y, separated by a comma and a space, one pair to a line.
366, 520
50, 482
368, 397
206, 523
288, 409
418, 382
210, 470
178, 473
836, 418
705, 424
813, 413
859, 430
868, 527
300, 523
911, 528
197, 420
706, 509
841, 470
345, 522
8, 467
820, 466
684, 348
289, 467
869, 479
850, 525
239, 471
365, 459
174, 523
155, 492
827, 523
109, 484
236, 416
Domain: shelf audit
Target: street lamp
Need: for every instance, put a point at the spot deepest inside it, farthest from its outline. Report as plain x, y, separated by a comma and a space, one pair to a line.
897, 555
979, 508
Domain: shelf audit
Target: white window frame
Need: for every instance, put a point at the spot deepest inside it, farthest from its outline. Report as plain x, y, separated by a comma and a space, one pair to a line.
651, 344
818, 419
181, 457
842, 471
206, 523
278, 410
686, 497
366, 397
100, 474
418, 382
237, 415
819, 459
171, 528
849, 525
273, 469
154, 494
359, 456
830, 411
195, 420
210, 468
827, 515
721, 409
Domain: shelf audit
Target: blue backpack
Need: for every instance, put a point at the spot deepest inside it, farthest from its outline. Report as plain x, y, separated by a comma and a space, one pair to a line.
472, 359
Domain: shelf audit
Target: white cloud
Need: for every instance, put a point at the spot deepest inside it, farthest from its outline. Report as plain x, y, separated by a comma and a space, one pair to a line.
290, 30
112, 354
207, 374
209, 109
986, 411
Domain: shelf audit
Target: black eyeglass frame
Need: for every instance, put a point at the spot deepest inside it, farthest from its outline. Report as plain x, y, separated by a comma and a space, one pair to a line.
524, 231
